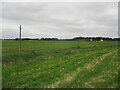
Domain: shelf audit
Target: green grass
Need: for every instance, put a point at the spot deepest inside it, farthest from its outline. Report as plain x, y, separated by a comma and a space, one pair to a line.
60, 64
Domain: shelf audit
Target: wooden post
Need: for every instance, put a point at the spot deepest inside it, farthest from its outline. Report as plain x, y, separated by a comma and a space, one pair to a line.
20, 37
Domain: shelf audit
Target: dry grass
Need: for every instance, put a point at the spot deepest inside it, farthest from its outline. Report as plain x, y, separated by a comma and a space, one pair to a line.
67, 79
96, 61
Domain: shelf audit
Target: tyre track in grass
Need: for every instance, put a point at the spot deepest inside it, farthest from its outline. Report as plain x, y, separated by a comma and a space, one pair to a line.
25, 73
72, 76
69, 61
97, 61
99, 79
67, 79
49, 66
103, 77
81, 78
72, 61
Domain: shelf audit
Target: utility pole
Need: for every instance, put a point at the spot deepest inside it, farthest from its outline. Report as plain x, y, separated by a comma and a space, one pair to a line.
20, 37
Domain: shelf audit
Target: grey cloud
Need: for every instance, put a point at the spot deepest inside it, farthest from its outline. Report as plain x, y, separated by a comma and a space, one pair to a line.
62, 20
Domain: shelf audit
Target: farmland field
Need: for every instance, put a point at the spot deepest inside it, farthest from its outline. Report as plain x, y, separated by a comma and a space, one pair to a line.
60, 64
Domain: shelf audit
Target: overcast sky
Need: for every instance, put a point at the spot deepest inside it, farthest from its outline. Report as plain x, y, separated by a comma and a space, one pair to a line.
60, 20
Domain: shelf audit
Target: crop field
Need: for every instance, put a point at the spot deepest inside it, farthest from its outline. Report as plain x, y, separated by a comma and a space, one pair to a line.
60, 64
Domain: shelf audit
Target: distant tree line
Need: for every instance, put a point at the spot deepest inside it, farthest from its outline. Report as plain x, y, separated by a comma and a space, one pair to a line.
96, 38
27, 39
73, 39
54, 39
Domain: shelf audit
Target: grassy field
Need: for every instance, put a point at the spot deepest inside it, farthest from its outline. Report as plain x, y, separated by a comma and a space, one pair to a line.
60, 64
